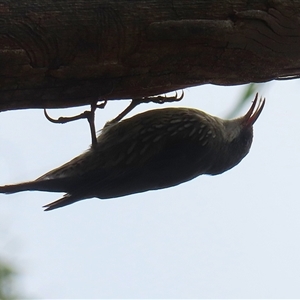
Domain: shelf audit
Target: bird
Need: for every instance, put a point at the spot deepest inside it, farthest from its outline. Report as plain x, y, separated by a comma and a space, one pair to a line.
153, 150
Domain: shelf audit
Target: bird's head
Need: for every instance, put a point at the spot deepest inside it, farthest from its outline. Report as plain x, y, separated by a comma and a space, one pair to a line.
238, 134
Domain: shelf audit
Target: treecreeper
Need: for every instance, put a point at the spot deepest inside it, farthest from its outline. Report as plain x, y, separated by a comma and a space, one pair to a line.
153, 150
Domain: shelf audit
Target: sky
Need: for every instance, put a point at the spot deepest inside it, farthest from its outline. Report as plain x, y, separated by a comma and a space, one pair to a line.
228, 236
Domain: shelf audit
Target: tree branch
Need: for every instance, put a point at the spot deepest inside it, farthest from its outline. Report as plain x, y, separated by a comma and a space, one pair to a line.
68, 53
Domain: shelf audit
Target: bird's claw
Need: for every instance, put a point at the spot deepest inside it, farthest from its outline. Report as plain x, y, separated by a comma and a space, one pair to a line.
88, 114
63, 120
136, 101
160, 99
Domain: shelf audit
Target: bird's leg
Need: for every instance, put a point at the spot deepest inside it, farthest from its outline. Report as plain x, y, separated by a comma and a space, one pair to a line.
91, 120
136, 101
88, 114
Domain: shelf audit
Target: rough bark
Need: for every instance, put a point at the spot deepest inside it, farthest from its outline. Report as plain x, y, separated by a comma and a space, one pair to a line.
72, 52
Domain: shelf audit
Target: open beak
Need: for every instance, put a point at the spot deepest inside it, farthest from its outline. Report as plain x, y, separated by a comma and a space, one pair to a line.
253, 113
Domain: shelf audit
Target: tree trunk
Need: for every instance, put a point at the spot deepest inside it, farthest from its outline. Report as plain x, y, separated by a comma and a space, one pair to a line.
61, 53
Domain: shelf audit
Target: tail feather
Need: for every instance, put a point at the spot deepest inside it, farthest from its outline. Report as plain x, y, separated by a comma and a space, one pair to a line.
15, 188
44, 185
51, 185
65, 200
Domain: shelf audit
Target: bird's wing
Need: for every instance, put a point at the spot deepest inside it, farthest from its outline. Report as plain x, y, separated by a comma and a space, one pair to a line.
135, 141
148, 138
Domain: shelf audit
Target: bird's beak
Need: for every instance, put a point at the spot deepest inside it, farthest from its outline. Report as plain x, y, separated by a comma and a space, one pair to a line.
253, 114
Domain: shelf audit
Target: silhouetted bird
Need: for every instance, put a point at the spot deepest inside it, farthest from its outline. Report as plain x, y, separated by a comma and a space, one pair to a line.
153, 150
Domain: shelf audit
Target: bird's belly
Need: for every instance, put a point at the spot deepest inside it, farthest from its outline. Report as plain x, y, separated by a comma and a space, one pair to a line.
152, 177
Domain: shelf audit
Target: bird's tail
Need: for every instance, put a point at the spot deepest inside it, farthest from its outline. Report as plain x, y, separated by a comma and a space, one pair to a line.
44, 185
50, 185
65, 200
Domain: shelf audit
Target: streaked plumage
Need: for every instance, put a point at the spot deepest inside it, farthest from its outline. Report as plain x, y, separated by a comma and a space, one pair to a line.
153, 150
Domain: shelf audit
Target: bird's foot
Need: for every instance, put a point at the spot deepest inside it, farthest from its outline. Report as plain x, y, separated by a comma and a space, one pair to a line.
159, 99
136, 101
88, 114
